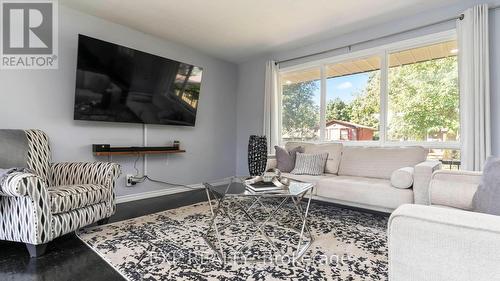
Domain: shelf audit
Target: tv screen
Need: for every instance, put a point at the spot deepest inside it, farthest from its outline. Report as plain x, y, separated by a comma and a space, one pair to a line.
119, 84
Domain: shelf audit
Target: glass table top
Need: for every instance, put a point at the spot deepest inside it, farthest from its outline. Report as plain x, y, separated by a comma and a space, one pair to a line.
237, 188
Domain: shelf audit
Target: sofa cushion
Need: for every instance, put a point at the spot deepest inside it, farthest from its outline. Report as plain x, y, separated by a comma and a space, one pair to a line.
310, 164
285, 160
379, 162
307, 178
402, 178
366, 191
71, 197
334, 152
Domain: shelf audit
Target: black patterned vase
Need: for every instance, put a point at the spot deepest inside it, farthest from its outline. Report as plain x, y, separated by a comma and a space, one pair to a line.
257, 155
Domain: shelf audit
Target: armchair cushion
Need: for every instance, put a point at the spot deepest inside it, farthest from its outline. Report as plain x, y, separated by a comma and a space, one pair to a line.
13, 148
71, 197
454, 188
488, 193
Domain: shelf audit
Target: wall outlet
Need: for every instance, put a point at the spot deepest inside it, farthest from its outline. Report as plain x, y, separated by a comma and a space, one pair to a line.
130, 180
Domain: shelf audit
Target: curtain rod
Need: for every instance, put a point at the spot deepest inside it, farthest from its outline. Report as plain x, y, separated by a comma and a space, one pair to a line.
460, 17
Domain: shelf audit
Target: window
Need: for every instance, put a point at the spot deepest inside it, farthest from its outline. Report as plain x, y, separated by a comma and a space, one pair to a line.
353, 100
423, 94
401, 94
301, 105
450, 158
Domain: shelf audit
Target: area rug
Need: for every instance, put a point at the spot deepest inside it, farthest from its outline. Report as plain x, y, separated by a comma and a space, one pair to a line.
348, 245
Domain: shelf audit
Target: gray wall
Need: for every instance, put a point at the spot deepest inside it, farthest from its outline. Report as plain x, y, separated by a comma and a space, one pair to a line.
495, 79
44, 99
251, 80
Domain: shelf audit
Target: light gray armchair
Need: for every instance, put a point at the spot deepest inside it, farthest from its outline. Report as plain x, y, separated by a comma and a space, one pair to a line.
54, 199
445, 241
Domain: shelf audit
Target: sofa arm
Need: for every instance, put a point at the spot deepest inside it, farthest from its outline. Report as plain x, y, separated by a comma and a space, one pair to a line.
66, 173
422, 178
432, 243
454, 188
271, 162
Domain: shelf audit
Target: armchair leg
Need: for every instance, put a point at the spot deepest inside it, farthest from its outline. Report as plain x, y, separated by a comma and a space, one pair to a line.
36, 250
103, 221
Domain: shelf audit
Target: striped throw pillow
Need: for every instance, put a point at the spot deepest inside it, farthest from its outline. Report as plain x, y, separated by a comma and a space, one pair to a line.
310, 164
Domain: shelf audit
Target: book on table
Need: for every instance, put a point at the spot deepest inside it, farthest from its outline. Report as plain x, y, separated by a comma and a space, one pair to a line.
263, 187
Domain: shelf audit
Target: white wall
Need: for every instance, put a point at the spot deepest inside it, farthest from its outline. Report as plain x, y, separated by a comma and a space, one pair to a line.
44, 99
251, 85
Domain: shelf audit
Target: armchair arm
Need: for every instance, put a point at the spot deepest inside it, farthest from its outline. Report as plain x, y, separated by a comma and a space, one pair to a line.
454, 188
458, 176
432, 243
25, 209
421, 180
70, 173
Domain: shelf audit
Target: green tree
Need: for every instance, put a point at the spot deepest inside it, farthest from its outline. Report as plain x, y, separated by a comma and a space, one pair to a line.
423, 103
424, 100
300, 117
338, 109
366, 103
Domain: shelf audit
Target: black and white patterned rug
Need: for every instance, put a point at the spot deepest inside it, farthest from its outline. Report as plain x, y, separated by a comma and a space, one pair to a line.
348, 245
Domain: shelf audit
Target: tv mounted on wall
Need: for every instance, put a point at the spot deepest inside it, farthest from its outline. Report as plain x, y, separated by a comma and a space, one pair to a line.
119, 84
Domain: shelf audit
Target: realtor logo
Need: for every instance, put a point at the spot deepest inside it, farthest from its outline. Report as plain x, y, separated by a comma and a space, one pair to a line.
29, 35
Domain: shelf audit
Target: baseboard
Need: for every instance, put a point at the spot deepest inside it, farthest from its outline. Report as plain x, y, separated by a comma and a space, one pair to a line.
163, 192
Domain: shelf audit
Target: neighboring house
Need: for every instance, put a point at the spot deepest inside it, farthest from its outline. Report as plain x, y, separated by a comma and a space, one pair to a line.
344, 131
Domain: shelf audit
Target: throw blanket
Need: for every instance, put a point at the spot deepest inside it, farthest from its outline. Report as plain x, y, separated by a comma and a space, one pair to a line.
4, 173
13, 149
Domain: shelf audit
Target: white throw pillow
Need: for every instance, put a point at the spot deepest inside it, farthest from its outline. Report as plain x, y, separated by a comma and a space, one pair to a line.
310, 164
402, 178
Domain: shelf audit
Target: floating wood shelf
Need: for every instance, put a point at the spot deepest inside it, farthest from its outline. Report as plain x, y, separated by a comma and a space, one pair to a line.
110, 153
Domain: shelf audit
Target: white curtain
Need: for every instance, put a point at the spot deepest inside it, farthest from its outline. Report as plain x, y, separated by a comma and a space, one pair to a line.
272, 117
474, 87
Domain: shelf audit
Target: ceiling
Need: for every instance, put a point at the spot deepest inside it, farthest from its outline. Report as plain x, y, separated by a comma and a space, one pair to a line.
235, 30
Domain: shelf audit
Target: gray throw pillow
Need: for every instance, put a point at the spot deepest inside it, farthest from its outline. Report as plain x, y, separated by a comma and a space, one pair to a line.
310, 164
487, 197
286, 159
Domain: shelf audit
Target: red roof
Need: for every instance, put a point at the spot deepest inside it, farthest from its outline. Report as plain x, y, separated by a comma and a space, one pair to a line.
348, 124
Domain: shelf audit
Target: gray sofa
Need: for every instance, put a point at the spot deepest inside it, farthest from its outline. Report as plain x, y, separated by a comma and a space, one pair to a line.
361, 176
445, 241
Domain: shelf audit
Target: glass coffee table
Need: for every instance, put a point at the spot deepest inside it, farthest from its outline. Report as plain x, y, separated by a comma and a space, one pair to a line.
234, 197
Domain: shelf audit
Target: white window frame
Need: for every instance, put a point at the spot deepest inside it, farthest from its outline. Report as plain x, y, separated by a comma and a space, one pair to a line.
382, 52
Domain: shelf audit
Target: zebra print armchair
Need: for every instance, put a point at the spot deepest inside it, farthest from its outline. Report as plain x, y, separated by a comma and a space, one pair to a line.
51, 199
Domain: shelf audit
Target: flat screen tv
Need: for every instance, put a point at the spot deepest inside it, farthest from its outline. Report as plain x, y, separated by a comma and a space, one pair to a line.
119, 84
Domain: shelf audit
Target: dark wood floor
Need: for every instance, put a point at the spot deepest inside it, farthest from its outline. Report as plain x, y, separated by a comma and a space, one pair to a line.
68, 259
